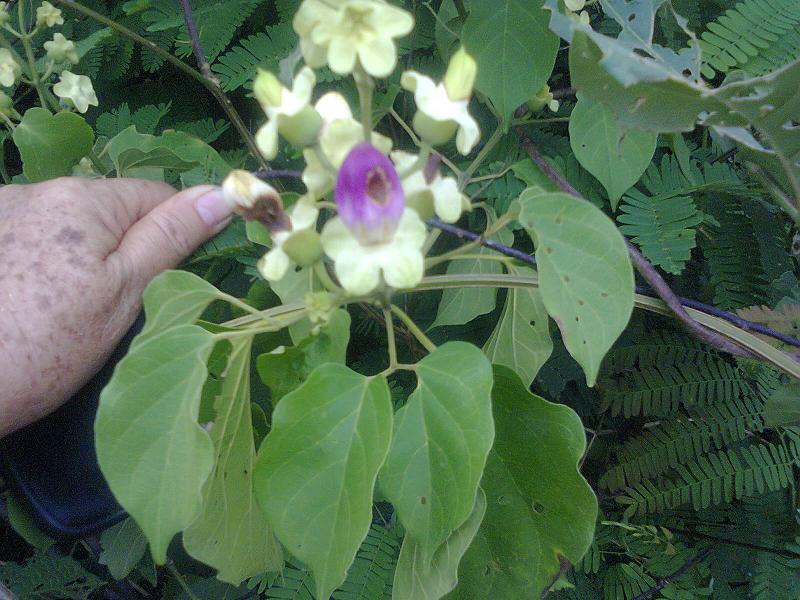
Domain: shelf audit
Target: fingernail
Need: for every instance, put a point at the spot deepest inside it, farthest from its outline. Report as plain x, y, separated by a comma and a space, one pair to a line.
212, 208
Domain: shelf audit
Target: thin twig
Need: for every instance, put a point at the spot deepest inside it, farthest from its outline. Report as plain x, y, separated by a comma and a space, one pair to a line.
278, 173
212, 84
665, 581
646, 270
563, 93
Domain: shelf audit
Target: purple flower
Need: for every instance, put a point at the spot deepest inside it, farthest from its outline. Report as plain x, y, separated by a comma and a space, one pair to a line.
369, 195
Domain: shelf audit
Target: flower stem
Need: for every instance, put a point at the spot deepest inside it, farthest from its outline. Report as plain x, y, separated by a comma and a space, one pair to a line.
365, 86
414, 329
325, 278
390, 340
26, 44
418, 143
482, 154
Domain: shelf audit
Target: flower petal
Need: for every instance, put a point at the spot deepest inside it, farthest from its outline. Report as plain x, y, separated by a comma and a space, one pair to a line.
405, 267
447, 199
378, 57
267, 139
358, 272
274, 264
468, 132
341, 55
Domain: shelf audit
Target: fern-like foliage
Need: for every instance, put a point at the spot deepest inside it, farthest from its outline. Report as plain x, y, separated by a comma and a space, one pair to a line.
663, 227
146, 119
625, 581
291, 584
217, 23
371, 574
264, 50
682, 439
737, 276
758, 36
714, 478
775, 577
369, 577
662, 389
45, 576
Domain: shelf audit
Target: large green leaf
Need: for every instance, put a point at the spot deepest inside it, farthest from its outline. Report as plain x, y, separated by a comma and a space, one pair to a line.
616, 156
50, 145
316, 469
130, 150
231, 533
284, 369
514, 49
540, 511
651, 87
441, 438
521, 341
461, 305
585, 274
123, 546
174, 298
415, 580
151, 449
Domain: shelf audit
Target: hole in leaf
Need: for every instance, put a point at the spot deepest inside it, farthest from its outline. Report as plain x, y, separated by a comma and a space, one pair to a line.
538, 507
532, 323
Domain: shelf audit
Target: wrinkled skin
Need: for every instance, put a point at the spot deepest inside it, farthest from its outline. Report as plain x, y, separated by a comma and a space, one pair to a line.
75, 256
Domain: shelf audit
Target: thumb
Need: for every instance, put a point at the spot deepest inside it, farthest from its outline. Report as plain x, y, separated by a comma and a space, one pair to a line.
170, 232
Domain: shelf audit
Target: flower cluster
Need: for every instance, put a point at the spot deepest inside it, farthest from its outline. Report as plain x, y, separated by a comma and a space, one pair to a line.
382, 196
75, 91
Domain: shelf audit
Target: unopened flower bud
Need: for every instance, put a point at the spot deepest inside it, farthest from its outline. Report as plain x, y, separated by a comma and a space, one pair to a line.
255, 200
460, 76
369, 195
267, 89
542, 98
4, 16
320, 307
9, 68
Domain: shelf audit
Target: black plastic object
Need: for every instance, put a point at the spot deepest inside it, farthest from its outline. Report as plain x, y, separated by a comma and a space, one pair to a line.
52, 465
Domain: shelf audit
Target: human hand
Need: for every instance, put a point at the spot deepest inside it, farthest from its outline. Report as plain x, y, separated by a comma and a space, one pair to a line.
76, 255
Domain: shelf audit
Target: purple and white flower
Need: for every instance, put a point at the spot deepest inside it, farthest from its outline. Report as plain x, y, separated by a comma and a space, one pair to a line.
375, 234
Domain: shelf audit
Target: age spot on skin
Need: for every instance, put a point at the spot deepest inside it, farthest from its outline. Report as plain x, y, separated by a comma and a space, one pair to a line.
43, 302
69, 235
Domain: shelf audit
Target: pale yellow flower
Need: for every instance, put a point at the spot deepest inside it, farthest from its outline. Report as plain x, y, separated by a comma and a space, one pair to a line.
438, 195
77, 90
575, 5
9, 68
300, 244
60, 49
48, 15
289, 111
442, 109
340, 132
340, 32
544, 97
360, 268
